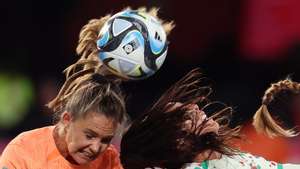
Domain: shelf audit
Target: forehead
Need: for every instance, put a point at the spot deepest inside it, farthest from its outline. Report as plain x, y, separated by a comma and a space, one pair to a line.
98, 123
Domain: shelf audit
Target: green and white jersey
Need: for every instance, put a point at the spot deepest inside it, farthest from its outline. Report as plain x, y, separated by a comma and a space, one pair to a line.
241, 161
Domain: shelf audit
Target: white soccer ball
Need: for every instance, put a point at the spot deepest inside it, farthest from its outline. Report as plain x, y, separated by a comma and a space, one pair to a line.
132, 44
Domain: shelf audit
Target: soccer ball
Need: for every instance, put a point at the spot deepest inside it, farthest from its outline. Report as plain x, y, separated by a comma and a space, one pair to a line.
132, 44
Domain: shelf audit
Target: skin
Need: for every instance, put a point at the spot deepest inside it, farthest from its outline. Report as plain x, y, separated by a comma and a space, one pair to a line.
82, 140
195, 122
197, 118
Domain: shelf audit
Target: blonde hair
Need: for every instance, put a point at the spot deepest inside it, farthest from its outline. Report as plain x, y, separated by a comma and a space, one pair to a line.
80, 74
87, 44
80, 79
263, 120
85, 91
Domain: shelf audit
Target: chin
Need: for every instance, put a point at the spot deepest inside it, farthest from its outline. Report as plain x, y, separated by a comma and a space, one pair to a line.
80, 159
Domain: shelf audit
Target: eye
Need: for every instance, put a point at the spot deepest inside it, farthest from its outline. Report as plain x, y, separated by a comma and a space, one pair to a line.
89, 136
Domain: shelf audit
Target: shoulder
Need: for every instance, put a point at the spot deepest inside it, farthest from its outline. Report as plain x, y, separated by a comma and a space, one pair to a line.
27, 148
33, 141
112, 151
33, 137
110, 159
244, 160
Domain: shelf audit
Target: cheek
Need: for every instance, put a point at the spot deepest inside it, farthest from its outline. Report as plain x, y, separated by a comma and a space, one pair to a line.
75, 142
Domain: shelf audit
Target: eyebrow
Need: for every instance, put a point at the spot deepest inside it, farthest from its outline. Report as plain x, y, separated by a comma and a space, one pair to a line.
96, 134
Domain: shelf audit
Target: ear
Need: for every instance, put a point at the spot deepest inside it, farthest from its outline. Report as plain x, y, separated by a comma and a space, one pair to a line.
66, 118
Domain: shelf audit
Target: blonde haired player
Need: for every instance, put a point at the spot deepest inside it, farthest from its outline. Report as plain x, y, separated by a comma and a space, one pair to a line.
89, 108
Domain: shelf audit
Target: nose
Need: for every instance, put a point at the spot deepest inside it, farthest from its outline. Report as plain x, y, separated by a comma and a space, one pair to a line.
96, 147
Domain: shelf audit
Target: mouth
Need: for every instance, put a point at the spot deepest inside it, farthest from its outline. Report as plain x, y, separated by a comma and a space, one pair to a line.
87, 155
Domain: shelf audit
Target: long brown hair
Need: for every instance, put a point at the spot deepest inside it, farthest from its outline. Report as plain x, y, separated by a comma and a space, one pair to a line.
156, 138
263, 120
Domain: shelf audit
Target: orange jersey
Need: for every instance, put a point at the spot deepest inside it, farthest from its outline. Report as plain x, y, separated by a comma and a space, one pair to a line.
36, 149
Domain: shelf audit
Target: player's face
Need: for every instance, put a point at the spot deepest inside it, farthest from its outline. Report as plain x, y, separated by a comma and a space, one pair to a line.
197, 120
87, 137
200, 121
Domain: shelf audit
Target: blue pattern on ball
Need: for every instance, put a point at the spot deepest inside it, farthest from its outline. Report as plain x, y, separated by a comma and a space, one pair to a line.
103, 40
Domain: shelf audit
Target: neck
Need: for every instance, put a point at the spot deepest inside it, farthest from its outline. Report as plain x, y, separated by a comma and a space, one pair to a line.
207, 155
59, 138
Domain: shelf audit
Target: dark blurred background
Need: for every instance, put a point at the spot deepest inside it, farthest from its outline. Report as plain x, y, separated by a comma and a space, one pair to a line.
242, 46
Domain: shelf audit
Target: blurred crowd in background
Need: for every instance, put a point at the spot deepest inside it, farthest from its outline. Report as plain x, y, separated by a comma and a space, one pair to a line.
242, 46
